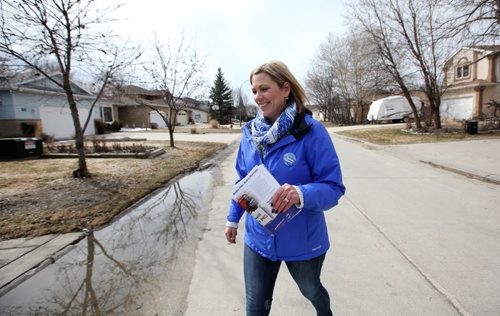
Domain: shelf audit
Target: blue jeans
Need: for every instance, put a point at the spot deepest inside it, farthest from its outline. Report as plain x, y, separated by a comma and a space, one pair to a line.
260, 276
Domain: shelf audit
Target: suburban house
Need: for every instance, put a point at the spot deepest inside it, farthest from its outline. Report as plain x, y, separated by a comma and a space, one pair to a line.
135, 107
317, 112
472, 79
32, 105
197, 111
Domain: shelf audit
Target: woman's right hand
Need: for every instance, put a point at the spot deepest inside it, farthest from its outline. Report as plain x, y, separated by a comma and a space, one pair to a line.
231, 233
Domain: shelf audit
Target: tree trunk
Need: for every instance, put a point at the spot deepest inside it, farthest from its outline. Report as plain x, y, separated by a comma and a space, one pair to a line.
437, 117
171, 134
171, 126
82, 171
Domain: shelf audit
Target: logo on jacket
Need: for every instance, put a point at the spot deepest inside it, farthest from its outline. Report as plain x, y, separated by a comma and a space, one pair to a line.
289, 159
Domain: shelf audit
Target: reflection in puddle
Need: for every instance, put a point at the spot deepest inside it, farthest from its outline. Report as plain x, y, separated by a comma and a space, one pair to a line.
132, 267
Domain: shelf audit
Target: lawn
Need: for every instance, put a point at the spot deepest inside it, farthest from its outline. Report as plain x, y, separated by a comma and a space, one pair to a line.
394, 136
40, 196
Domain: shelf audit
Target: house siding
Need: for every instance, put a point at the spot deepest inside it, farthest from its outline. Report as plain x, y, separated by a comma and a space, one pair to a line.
134, 116
199, 116
6, 106
14, 128
482, 69
482, 84
490, 95
23, 107
28, 105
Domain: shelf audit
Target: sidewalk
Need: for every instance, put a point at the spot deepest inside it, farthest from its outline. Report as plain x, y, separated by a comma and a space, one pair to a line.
217, 284
23, 257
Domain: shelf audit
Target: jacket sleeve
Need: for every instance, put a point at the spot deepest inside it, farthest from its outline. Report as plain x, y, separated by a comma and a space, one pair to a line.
326, 187
235, 210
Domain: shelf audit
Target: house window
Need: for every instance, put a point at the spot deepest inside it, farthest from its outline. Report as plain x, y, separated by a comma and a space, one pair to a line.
107, 114
462, 71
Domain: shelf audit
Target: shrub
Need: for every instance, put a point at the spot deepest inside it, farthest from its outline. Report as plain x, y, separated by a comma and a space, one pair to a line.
154, 125
99, 146
100, 127
28, 129
194, 130
47, 138
214, 124
115, 126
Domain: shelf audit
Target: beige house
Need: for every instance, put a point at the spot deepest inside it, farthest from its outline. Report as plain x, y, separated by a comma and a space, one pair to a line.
135, 107
472, 79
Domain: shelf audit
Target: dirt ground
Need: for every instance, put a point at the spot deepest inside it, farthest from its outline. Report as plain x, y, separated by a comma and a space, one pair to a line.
40, 196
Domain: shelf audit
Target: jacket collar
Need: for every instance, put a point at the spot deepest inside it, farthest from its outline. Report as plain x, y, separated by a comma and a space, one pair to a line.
300, 126
299, 129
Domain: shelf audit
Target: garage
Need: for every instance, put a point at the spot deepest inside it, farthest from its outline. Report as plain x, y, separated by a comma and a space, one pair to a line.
182, 118
155, 118
457, 108
58, 123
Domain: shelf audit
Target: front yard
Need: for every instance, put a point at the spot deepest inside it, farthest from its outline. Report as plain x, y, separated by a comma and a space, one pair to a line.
394, 135
39, 196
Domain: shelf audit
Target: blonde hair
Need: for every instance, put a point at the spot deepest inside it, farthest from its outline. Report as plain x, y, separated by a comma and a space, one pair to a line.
280, 74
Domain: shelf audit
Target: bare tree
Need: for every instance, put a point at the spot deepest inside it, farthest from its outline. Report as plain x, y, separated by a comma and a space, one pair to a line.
176, 73
320, 83
239, 103
473, 20
410, 42
343, 79
63, 32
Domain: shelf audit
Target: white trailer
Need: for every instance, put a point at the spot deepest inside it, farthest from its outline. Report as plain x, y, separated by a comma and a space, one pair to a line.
393, 108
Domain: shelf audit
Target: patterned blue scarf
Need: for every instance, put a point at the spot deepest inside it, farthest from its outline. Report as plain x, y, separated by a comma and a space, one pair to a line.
264, 134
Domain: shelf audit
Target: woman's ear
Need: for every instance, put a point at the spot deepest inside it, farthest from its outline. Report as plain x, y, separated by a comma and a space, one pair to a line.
286, 88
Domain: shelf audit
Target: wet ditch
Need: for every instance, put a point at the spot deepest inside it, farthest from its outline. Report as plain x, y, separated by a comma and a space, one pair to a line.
141, 264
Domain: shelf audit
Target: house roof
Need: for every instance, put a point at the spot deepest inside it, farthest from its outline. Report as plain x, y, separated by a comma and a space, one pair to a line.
31, 81
130, 100
136, 90
485, 49
132, 95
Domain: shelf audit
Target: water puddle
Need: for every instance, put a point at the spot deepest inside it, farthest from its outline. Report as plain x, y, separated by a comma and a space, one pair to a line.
139, 265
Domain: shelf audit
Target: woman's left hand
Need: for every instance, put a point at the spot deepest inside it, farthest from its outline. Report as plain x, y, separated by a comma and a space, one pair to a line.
284, 198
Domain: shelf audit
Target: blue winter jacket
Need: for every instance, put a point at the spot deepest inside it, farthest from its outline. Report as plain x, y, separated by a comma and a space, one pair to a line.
305, 157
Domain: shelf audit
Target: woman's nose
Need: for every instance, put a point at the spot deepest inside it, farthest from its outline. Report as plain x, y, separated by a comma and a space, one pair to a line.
257, 96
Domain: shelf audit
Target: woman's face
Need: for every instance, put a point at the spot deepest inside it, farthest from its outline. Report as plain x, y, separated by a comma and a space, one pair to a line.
269, 96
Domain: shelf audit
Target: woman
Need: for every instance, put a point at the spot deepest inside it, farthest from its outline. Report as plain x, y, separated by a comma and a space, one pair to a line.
299, 153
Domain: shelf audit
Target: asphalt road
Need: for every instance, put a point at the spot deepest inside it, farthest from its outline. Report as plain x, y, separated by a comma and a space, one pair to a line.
408, 239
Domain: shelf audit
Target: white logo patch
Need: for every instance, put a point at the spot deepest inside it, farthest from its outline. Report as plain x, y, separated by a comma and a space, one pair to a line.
289, 159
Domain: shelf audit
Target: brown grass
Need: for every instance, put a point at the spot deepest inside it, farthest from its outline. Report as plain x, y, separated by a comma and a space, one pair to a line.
394, 136
40, 196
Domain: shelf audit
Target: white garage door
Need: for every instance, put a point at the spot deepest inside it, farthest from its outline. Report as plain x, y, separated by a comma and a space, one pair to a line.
457, 108
182, 118
57, 121
154, 117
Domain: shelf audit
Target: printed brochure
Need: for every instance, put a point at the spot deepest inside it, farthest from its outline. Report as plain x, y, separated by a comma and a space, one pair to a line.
254, 193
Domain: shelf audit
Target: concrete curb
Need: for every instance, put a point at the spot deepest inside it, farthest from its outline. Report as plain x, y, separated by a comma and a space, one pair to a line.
460, 172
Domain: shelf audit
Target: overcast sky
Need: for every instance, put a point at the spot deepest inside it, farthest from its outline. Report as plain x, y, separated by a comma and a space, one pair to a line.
238, 35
